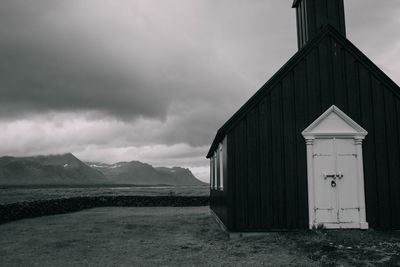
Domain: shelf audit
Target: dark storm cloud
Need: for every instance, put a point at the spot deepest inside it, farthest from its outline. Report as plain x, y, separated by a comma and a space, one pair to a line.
93, 55
35, 80
48, 63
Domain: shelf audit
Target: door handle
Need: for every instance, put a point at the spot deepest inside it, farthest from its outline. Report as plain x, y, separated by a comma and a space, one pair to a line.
332, 175
329, 175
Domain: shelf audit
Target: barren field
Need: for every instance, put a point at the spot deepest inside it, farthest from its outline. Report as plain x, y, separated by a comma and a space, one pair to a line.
20, 194
167, 236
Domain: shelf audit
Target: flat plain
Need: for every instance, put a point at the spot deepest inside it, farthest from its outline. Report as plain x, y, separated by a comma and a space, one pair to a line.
10, 195
172, 236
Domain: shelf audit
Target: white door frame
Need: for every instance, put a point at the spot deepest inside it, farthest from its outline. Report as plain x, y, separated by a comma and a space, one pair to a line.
334, 123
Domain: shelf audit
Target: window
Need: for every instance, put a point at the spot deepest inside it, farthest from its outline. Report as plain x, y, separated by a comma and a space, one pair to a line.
221, 167
217, 167
211, 172
215, 170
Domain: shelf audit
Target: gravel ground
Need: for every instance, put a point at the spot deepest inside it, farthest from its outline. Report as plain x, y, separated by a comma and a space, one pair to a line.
172, 236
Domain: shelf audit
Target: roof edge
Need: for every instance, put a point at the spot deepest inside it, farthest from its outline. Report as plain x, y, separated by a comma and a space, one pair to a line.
296, 3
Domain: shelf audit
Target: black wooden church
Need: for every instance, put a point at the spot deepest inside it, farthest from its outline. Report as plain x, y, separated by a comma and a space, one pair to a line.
319, 143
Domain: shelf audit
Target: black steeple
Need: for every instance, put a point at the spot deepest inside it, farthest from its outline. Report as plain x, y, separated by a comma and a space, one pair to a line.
312, 15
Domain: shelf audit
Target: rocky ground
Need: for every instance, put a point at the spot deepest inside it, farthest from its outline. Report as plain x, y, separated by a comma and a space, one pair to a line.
180, 236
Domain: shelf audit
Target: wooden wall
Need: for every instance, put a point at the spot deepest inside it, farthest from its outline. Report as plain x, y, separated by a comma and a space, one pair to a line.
267, 153
267, 164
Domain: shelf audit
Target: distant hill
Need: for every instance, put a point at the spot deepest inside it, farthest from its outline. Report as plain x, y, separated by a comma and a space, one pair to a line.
139, 173
66, 169
48, 170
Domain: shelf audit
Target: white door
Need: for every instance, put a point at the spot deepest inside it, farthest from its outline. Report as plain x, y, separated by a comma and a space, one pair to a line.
346, 160
335, 180
325, 195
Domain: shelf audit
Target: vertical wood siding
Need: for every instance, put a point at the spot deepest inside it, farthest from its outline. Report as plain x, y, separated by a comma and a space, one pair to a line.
266, 156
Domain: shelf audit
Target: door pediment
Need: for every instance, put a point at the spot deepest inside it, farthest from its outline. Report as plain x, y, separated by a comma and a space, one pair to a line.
334, 122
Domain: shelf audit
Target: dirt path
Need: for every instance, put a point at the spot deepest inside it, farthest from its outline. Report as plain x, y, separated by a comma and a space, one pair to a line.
166, 236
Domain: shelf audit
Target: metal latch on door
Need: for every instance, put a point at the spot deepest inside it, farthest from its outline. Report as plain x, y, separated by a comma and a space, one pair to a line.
332, 175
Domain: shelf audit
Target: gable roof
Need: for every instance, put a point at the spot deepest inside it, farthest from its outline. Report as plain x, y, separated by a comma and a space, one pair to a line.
334, 122
327, 30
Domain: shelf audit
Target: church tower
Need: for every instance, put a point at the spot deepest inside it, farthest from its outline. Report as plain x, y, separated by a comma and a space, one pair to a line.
312, 15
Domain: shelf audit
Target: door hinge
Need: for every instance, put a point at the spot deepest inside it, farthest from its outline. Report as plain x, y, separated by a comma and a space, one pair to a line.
321, 155
355, 155
355, 208
315, 209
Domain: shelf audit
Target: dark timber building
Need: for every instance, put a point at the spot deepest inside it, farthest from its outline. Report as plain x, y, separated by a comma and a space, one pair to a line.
319, 143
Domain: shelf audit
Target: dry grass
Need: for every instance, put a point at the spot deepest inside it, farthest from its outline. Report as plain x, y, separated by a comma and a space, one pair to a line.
166, 236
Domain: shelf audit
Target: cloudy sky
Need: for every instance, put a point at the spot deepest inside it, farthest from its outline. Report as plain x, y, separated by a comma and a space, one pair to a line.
151, 80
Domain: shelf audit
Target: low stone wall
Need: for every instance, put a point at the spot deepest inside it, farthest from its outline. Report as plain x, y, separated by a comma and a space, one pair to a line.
22, 210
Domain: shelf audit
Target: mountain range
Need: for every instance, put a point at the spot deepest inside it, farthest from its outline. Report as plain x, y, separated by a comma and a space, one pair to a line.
135, 172
66, 169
